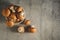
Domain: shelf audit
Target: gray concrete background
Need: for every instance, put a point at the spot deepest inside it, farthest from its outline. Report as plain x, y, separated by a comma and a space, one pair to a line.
44, 14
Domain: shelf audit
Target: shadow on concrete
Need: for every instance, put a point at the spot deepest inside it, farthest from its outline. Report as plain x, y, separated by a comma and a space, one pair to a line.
14, 28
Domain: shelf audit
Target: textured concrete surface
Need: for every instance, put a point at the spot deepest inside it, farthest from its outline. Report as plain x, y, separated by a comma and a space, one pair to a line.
44, 14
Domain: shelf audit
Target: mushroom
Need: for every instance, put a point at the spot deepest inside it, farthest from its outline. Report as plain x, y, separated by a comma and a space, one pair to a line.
11, 7
21, 29
21, 13
18, 20
32, 29
20, 17
20, 9
6, 12
13, 17
27, 22
10, 23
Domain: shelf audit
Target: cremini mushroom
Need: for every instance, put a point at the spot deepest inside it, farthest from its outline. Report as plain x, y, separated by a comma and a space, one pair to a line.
20, 9
13, 17
27, 22
20, 17
32, 29
6, 12
10, 23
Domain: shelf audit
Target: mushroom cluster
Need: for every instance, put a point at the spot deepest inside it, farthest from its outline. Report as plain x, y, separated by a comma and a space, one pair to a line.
15, 14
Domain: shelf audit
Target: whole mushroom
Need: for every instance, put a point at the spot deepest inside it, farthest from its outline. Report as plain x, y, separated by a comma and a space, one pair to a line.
6, 12
13, 17
27, 22
9, 23
32, 29
20, 17
20, 9
21, 29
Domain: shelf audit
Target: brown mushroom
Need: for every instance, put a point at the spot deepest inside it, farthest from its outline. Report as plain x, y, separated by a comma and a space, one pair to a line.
13, 17
20, 17
6, 12
19, 9
17, 20
27, 22
21, 13
32, 29
9, 23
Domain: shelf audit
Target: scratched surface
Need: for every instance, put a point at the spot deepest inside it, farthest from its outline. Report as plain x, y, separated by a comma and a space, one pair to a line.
44, 14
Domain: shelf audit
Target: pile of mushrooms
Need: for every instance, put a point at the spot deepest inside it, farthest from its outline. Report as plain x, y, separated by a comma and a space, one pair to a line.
15, 14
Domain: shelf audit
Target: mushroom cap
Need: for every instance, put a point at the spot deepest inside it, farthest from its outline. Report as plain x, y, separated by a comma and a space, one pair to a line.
17, 20
13, 17
21, 29
21, 13
20, 9
33, 30
27, 22
6, 12
9, 23
20, 17
11, 7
